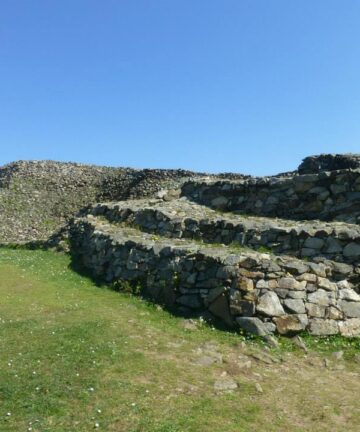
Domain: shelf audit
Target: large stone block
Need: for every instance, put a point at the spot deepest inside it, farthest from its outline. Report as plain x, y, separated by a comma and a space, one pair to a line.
322, 327
287, 324
295, 305
350, 328
350, 309
269, 304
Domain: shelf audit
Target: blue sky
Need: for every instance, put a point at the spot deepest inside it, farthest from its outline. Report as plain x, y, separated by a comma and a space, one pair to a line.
248, 86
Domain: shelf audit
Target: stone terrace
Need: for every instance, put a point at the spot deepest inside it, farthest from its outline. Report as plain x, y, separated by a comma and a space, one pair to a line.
259, 292
181, 218
206, 245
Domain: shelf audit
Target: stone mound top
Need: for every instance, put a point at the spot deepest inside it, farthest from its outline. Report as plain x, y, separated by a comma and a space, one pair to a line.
329, 162
111, 181
257, 292
38, 197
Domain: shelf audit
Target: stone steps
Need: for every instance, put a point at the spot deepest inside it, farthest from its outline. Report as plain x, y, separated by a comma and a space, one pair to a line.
262, 293
181, 218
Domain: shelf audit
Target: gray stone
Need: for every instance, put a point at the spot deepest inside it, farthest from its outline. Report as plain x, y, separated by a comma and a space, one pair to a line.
270, 326
307, 252
296, 294
318, 269
299, 342
291, 284
321, 327
283, 293
261, 284
333, 246
219, 202
349, 294
207, 360
214, 294
188, 324
242, 307
334, 313
303, 318
315, 311
264, 357
350, 328
271, 341
326, 284
296, 267
314, 243
295, 306
220, 308
308, 277
352, 250
342, 269
351, 309
252, 325
269, 304
320, 297
344, 284
225, 385
231, 260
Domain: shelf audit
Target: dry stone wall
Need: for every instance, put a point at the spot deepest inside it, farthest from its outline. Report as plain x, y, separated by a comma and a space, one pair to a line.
180, 218
329, 162
260, 293
328, 195
191, 241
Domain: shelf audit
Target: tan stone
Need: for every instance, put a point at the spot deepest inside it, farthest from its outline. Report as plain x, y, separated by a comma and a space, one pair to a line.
334, 313
245, 284
350, 328
308, 277
288, 324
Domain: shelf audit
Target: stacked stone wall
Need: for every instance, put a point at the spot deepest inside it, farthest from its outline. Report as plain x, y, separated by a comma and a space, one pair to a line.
258, 292
181, 219
328, 195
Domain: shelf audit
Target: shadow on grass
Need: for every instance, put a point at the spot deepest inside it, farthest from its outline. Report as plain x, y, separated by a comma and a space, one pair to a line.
137, 288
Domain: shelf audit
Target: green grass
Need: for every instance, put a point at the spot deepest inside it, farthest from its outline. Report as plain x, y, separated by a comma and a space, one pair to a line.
74, 354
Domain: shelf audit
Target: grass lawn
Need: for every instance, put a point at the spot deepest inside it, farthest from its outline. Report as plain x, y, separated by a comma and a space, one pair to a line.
77, 357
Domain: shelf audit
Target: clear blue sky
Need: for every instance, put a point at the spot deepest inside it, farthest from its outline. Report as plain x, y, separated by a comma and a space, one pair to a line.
249, 86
